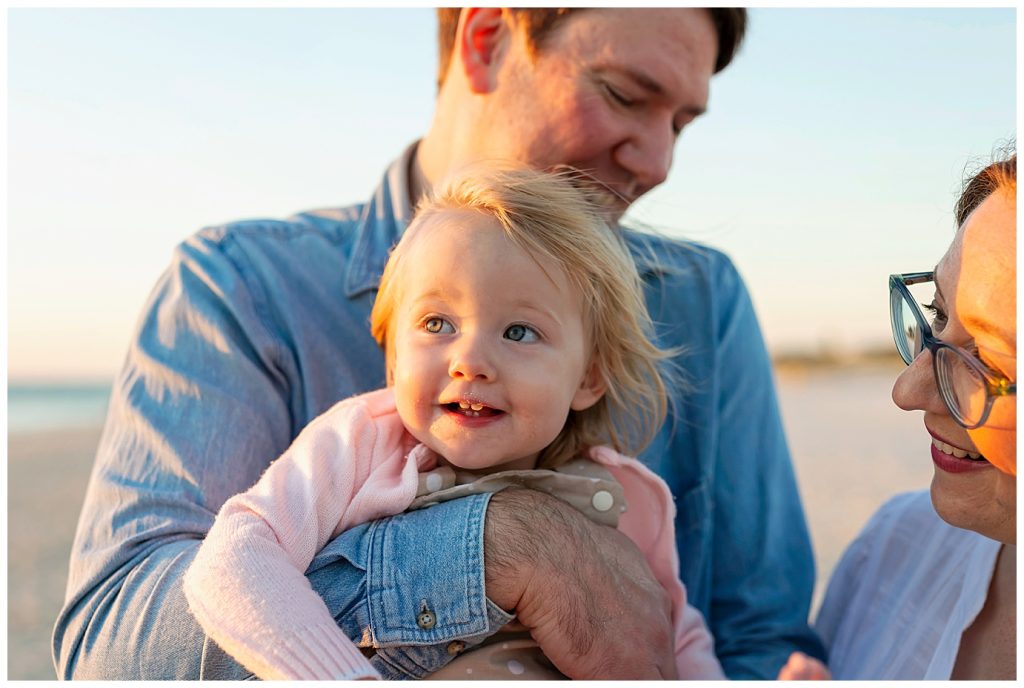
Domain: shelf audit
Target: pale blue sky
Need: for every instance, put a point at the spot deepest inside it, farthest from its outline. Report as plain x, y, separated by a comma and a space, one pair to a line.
829, 158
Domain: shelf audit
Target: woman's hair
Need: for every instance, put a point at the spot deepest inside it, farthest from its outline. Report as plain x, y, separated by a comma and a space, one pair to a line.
548, 215
1001, 174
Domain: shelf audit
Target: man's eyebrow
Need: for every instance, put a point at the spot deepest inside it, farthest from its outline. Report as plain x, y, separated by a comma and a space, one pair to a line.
646, 82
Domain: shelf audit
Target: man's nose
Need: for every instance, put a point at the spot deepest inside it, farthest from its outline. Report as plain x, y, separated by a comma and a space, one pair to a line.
916, 388
647, 154
471, 360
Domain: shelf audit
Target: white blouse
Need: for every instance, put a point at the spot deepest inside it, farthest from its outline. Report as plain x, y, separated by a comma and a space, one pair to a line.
903, 594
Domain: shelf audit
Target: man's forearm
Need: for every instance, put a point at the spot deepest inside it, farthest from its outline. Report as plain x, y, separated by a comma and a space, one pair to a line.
136, 624
521, 528
584, 590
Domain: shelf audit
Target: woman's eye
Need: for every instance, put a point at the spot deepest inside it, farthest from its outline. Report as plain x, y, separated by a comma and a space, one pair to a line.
438, 326
521, 333
938, 316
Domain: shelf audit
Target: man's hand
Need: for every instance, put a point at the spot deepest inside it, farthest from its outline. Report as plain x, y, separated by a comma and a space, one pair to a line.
584, 590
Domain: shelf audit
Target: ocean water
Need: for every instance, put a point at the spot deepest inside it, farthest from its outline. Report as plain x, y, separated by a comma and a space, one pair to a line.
36, 408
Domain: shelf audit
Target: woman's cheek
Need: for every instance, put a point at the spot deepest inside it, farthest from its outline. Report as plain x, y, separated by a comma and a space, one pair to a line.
998, 446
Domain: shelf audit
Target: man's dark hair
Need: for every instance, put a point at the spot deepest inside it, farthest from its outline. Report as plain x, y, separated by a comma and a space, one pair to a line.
730, 24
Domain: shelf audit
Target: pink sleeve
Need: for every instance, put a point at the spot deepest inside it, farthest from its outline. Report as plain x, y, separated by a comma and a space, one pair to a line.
246, 585
649, 522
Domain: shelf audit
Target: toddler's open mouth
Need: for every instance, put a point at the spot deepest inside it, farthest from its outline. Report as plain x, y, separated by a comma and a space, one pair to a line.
471, 409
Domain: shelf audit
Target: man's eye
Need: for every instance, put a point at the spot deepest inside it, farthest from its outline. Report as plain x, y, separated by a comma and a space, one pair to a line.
521, 333
618, 97
438, 326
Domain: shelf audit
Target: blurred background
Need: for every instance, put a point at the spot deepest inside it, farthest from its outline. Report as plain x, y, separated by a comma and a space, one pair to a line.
831, 156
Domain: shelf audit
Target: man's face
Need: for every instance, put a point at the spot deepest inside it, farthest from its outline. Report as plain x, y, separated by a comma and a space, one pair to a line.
608, 92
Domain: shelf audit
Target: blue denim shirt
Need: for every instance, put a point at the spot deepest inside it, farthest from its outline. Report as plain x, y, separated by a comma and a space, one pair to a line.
257, 327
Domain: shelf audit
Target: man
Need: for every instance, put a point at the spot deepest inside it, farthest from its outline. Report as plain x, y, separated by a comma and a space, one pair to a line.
258, 327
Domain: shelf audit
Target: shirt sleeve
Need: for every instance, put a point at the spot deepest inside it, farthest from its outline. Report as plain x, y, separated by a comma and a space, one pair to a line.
202, 405
441, 555
763, 564
246, 584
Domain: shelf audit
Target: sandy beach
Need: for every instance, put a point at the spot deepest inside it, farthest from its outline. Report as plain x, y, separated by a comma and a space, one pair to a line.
851, 447
852, 450
46, 477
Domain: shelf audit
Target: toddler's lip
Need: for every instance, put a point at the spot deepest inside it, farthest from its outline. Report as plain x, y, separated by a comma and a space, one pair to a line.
471, 409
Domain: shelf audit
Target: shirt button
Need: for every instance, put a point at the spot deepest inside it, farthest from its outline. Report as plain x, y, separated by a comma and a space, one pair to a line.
603, 500
455, 647
426, 620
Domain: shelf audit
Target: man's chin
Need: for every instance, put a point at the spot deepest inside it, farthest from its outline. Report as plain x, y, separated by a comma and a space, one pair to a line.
611, 205
614, 217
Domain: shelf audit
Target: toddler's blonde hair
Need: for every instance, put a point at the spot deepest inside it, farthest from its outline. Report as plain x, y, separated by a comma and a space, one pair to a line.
549, 214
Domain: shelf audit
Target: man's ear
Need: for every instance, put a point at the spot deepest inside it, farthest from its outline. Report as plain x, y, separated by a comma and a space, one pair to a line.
482, 39
591, 389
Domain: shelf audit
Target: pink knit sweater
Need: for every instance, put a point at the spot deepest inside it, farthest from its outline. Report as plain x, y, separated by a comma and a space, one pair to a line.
356, 463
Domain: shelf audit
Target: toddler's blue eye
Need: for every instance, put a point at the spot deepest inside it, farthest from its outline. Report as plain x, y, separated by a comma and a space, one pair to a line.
438, 326
521, 333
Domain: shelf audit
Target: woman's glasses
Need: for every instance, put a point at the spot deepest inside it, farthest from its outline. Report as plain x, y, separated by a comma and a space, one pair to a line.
967, 386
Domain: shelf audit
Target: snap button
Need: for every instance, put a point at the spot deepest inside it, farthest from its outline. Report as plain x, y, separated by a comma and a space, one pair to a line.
602, 500
425, 619
455, 647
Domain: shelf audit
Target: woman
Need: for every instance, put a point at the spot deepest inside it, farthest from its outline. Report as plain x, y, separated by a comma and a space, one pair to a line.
928, 589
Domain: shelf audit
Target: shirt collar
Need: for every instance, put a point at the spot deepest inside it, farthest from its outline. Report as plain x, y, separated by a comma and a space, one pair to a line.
389, 212
381, 224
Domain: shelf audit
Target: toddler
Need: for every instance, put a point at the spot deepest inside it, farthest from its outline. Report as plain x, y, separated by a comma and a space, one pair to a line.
518, 354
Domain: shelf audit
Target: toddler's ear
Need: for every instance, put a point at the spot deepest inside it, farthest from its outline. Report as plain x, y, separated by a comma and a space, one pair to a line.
592, 388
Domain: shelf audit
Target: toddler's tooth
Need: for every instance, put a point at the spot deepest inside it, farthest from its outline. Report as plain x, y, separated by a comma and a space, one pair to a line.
476, 407
974, 455
959, 453
463, 405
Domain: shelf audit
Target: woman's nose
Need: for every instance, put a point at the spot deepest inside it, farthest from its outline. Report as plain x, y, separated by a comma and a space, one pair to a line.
916, 389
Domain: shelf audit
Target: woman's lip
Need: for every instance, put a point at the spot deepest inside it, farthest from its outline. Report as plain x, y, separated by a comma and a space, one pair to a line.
952, 464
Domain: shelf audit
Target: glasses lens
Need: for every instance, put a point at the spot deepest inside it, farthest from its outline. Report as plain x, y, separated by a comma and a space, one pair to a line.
906, 330
962, 386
